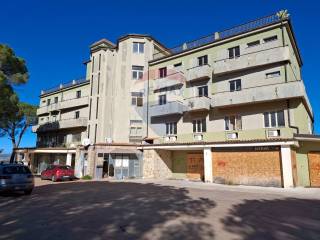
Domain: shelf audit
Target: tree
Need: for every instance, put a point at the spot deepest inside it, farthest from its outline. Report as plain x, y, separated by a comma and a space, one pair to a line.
14, 116
13, 71
16, 125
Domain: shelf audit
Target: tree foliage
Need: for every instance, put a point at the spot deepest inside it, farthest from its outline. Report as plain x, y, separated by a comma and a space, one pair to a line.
13, 69
15, 117
17, 124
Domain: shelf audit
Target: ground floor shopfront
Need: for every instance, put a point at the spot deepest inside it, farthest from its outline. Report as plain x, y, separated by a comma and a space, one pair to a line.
273, 163
278, 163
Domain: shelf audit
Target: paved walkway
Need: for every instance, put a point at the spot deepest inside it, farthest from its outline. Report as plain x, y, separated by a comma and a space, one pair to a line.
167, 209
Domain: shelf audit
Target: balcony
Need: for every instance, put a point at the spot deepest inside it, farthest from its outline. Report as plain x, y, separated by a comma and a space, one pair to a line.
171, 80
253, 59
170, 108
198, 73
66, 85
197, 104
214, 37
260, 94
60, 124
68, 103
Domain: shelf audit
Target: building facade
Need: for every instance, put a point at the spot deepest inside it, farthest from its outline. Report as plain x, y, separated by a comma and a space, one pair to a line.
228, 108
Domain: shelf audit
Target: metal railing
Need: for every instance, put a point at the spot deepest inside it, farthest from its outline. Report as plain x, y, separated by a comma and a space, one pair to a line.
243, 28
64, 85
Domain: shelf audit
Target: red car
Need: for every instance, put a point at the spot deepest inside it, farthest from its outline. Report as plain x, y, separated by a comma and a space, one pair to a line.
58, 172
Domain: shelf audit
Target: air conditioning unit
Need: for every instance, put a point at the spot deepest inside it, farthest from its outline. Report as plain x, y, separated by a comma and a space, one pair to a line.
109, 140
273, 133
167, 139
233, 135
198, 137
173, 138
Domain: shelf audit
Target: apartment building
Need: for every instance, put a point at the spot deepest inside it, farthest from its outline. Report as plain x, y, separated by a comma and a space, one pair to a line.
230, 107
107, 107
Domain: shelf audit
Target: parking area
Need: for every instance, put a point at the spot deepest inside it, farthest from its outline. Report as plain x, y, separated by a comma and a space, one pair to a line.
163, 209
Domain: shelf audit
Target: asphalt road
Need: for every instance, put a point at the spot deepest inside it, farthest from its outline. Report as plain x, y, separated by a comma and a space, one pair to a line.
145, 209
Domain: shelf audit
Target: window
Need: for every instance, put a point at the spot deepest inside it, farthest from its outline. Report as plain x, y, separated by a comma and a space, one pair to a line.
97, 109
274, 119
235, 85
98, 83
177, 65
171, 128
270, 39
99, 62
93, 64
162, 99
76, 137
254, 43
91, 85
135, 131
77, 114
138, 47
233, 122
137, 99
203, 60
203, 91
90, 108
56, 99
48, 102
135, 122
137, 72
234, 52
273, 74
162, 72
199, 125
78, 94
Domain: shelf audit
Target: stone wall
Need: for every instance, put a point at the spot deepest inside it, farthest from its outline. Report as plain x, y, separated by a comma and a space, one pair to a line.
157, 164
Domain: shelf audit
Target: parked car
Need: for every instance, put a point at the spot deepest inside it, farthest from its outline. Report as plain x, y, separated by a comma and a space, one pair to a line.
16, 177
58, 173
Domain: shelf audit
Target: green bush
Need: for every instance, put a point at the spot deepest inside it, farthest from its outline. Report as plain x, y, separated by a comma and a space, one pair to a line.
86, 177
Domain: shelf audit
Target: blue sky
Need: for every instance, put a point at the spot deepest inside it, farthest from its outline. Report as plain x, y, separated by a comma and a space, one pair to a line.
53, 36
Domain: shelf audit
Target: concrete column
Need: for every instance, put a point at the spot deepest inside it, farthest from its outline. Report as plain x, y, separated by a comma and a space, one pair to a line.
207, 157
286, 166
69, 159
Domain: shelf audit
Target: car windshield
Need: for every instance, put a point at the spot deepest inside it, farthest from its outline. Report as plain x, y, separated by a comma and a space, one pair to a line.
16, 170
65, 167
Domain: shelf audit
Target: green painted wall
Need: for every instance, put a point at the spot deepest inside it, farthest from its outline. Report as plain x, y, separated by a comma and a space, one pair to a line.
179, 164
212, 53
302, 161
243, 135
301, 116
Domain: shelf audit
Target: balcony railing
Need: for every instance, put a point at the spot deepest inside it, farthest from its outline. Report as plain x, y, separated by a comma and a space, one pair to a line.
198, 73
65, 85
173, 79
197, 104
240, 29
60, 124
170, 108
252, 59
67, 103
260, 94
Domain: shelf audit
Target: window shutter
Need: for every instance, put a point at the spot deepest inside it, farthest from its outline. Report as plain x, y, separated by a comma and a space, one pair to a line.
204, 125
194, 122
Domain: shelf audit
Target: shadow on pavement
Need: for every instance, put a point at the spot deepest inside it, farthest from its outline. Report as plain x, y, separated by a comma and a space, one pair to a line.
105, 210
288, 218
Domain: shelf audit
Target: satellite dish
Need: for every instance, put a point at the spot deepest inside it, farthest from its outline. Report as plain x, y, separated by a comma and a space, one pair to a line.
86, 142
109, 140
